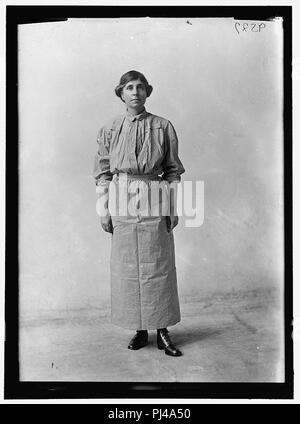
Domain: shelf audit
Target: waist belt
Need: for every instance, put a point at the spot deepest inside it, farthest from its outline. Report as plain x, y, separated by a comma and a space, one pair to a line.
153, 177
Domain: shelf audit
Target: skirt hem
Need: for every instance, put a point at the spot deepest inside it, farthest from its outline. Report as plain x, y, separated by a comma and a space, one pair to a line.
150, 327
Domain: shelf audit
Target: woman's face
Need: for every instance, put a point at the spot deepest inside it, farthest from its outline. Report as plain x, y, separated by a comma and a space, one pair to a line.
134, 95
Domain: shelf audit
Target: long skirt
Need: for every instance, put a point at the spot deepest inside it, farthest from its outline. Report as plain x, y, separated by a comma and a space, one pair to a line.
144, 293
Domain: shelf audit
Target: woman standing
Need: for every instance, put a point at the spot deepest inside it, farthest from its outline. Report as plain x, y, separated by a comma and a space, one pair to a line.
139, 151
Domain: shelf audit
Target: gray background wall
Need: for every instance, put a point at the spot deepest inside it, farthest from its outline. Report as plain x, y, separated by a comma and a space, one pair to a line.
222, 91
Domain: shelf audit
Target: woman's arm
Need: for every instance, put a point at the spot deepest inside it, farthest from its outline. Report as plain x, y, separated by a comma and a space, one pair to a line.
102, 208
103, 176
173, 169
172, 219
172, 165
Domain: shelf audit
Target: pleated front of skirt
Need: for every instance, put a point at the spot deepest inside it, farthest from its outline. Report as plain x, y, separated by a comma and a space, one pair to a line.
144, 291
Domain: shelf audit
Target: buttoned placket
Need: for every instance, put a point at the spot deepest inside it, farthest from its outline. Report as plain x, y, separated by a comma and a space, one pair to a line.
133, 128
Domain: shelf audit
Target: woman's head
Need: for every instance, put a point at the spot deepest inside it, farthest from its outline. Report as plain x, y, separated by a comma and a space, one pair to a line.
132, 76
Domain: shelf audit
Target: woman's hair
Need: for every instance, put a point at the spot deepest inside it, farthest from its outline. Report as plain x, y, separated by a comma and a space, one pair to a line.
131, 76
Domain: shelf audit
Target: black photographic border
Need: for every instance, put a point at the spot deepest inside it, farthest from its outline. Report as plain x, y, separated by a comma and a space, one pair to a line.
16, 389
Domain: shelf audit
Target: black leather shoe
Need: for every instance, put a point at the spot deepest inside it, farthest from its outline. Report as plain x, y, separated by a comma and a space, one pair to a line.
139, 340
164, 342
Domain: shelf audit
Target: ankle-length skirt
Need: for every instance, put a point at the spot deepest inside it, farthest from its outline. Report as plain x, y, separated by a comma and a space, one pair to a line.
144, 293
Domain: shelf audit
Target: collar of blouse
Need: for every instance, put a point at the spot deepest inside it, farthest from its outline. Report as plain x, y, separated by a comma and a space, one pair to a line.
138, 117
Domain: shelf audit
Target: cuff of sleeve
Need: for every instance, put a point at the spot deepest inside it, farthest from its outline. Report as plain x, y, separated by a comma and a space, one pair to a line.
173, 179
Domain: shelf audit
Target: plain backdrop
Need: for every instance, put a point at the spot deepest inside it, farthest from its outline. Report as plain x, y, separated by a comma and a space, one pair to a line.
223, 93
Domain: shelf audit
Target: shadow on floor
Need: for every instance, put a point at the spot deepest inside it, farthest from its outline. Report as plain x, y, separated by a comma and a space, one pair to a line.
189, 337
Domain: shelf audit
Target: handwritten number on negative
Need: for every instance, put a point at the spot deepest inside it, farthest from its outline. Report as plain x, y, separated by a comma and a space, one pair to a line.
249, 27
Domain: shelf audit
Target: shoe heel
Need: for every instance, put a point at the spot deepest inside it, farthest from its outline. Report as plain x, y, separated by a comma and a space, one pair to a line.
159, 346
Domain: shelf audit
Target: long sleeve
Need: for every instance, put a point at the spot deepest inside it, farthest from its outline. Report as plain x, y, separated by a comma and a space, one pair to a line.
172, 165
102, 173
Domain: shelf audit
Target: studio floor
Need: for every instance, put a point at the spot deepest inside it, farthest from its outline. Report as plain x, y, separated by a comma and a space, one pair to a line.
229, 337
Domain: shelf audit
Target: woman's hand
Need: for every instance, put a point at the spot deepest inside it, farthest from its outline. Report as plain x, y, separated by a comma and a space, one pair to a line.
106, 224
172, 221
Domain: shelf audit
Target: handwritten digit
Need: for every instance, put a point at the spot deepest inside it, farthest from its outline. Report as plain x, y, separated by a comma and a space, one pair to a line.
261, 26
